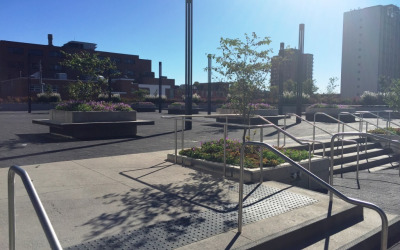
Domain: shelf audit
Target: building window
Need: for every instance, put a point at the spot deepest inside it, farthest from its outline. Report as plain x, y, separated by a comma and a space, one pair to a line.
36, 52
129, 61
35, 88
35, 66
55, 53
130, 74
17, 65
55, 67
15, 50
116, 59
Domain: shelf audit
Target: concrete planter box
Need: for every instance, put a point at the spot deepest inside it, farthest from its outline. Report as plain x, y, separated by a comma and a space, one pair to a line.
62, 116
284, 173
226, 111
143, 107
329, 111
385, 144
180, 110
262, 112
93, 125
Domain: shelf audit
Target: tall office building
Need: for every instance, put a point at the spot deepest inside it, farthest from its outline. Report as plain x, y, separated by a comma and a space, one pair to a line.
370, 48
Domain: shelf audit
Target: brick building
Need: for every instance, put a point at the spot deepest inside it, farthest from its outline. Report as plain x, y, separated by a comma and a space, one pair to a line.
19, 60
288, 61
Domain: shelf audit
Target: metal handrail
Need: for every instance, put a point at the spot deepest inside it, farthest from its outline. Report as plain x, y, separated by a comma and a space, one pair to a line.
388, 121
333, 118
332, 190
377, 126
40, 211
323, 130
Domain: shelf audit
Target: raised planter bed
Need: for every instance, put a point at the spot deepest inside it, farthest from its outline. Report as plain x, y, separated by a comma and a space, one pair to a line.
284, 173
150, 107
181, 111
269, 114
93, 125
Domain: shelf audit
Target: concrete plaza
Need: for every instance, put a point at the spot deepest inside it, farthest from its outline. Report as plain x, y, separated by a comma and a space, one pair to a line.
99, 188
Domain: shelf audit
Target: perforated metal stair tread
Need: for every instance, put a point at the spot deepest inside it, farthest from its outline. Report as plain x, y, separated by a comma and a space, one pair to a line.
261, 202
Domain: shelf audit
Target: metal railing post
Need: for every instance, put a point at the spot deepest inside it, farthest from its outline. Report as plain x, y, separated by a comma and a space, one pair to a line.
261, 134
225, 135
37, 205
176, 140
261, 165
183, 132
11, 210
240, 209
309, 163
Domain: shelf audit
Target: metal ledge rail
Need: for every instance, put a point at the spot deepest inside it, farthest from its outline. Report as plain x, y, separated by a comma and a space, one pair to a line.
323, 130
387, 132
367, 122
270, 124
40, 212
388, 121
332, 190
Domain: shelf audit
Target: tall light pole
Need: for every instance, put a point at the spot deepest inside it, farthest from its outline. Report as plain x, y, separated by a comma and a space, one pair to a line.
188, 60
300, 73
209, 85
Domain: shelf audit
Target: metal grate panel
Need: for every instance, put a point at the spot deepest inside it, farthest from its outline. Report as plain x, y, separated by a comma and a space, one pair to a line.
261, 202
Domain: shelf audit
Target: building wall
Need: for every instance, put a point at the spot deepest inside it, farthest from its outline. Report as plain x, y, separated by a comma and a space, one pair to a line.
289, 65
370, 48
19, 60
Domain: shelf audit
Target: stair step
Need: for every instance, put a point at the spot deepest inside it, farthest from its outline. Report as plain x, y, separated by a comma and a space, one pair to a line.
352, 157
367, 163
365, 235
347, 148
295, 229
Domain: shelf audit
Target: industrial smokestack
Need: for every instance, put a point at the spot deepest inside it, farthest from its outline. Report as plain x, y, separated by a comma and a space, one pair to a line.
50, 38
301, 38
282, 48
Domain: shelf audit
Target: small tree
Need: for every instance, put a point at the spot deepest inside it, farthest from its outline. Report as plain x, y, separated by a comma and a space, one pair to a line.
330, 88
96, 71
392, 97
309, 87
245, 65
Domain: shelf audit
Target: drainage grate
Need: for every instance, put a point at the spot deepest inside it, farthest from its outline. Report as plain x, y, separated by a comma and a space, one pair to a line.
262, 202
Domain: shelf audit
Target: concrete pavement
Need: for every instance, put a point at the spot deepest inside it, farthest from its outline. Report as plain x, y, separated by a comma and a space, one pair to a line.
95, 189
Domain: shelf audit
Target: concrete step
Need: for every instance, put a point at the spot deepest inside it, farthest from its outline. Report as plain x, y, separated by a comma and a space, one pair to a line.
370, 163
352, 156
346, 148
295, 229
327, 143
364, 235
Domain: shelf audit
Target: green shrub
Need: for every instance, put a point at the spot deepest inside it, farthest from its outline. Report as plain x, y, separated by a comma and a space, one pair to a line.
214, 151
48, 97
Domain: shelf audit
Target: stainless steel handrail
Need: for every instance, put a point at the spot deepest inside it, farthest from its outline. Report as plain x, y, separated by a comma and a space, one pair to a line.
323, 130
387, 132
388, 121
40, 211
333, 118
332, 190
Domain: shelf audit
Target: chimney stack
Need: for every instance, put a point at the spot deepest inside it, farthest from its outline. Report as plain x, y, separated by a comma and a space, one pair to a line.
50, 38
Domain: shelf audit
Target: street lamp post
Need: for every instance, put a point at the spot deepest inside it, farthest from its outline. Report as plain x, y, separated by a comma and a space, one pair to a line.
209, 85
188, 60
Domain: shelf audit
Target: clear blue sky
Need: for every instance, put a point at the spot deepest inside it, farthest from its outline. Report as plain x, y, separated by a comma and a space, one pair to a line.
155, 29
